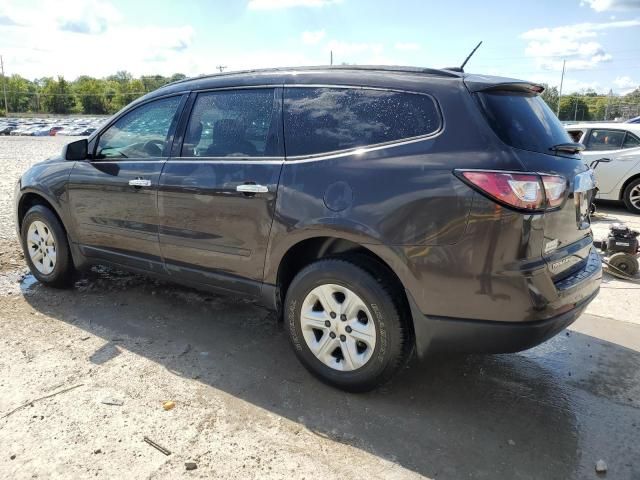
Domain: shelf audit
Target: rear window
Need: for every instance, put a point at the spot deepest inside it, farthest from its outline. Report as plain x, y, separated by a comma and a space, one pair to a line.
321, 120
523, 120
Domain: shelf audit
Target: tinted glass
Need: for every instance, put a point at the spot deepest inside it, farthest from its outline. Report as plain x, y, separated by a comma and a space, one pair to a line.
631, 141
523, 120
321, 120
232, 123
141, 133
605, 140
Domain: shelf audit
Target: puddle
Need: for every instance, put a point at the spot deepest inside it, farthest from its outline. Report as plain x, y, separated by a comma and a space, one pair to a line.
28, 283
16, 282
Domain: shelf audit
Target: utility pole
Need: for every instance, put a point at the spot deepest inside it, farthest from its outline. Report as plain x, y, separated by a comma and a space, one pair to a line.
221, 68
4, 87
330, 57
575, 113
560, 92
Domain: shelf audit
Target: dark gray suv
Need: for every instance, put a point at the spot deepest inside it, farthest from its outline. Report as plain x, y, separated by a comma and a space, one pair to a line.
381, 211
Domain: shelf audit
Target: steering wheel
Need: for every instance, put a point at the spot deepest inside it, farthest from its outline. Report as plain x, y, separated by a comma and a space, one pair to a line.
154, 148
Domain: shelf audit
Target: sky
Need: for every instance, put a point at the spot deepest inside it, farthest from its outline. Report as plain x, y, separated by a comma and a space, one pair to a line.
599, 39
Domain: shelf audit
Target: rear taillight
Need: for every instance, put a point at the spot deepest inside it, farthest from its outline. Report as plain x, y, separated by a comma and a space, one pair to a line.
531, 192
554, 187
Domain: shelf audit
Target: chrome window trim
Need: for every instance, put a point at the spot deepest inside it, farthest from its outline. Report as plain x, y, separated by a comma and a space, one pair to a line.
222, 160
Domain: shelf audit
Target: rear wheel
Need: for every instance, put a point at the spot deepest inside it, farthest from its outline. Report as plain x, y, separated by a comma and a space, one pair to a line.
631, 196
345, 326
45, 246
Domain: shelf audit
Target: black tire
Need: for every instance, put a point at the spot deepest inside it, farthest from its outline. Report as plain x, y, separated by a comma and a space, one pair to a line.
393, 334
626, 196
624, 263
62, 273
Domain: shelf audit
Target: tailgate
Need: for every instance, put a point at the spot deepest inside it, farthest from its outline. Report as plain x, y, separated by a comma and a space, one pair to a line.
522, 120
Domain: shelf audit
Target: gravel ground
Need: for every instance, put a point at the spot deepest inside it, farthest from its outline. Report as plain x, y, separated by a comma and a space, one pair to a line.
16, 155
246, 409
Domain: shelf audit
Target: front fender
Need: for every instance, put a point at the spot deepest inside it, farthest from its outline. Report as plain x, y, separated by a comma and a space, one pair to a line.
47, 180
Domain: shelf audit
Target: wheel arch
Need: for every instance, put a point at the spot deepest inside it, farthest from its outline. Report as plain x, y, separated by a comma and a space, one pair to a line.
31, 198
313, 248
626, 183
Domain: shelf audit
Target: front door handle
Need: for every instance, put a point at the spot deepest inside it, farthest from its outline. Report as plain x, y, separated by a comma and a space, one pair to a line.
252, 188
140, 182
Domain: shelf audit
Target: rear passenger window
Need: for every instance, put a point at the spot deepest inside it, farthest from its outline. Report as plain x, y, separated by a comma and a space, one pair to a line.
631, 141
605, 140
236, 123
320, 120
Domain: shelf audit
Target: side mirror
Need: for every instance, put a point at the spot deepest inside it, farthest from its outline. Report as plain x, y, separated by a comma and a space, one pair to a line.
77, 150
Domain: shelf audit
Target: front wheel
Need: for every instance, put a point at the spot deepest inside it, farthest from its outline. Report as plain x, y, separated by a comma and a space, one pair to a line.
46, 248
631, 196
345, 326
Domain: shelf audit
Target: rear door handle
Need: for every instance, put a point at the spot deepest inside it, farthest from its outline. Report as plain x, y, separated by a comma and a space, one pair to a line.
140, 182
252, 188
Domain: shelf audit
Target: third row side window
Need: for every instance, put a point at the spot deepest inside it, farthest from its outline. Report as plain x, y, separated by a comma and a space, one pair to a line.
321, 120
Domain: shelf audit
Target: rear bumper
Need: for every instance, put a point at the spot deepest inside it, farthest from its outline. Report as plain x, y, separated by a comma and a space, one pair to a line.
480, 336
446, 334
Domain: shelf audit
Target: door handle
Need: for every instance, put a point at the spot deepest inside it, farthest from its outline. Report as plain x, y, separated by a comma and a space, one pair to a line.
140, 182
252, 188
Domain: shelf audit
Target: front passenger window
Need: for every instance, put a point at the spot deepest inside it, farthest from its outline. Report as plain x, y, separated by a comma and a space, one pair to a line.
141, 133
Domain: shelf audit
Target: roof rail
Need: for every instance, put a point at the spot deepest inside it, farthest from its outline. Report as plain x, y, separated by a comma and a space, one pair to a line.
445, 72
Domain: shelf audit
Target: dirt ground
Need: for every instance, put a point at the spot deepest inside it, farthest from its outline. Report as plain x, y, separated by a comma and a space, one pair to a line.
245, 408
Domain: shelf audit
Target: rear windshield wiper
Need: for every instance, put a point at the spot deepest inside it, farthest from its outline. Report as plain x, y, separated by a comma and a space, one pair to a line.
568, 147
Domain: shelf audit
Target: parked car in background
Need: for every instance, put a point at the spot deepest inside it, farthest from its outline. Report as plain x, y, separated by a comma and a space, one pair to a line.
42, 131
381, 210
7, 129
633, 120
30, 126
84, 132
619, 143
25, 130
66, 131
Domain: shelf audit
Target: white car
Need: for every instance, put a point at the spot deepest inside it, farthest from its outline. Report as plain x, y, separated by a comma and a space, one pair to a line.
618, 176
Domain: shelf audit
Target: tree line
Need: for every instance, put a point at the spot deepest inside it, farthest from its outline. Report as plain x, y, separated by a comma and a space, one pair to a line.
103, 96
591, 106
85, 95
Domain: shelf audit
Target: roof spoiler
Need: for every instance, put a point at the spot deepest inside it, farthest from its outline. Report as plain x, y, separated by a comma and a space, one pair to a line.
479, 83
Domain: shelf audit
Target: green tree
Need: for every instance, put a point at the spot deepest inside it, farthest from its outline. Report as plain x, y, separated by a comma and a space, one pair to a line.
121, 76
574, 107
90, 95
550, 96
19, 93
177, 77
57, 95
153, 82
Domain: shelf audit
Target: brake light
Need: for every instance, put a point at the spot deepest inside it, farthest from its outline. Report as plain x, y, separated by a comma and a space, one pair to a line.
524, 191
554, 187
